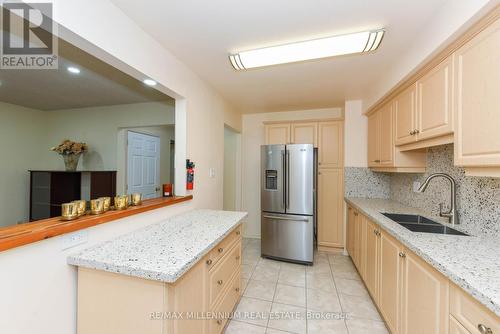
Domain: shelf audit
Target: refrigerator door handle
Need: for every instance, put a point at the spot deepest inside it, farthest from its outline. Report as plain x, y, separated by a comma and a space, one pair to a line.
287, 179
286, 218
283, 165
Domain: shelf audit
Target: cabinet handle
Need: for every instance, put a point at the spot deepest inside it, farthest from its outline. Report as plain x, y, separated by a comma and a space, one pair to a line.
319, 163
355, 214
221, 250
209, 261
417, 132
237, 257
237, 289
219, 322
238, 232
401, 254
377, 161
220, 282
375, 232
484, 330
412, 133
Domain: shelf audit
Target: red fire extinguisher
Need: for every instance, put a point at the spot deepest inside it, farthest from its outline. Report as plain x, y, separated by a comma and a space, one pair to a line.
190, 175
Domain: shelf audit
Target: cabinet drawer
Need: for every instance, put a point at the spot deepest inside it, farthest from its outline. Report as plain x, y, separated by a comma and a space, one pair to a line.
223, 247
471, 314
456, 327
227, 304
221, 274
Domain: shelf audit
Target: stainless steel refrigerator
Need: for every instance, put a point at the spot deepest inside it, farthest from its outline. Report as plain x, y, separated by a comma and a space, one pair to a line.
288, 202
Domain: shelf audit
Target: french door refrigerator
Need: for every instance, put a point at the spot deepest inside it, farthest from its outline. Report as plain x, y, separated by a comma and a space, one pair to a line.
288, 202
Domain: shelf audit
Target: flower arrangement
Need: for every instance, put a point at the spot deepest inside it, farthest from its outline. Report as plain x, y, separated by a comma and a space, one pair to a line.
68, 147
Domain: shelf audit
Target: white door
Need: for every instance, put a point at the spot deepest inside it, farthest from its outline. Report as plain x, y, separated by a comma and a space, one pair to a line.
143, 165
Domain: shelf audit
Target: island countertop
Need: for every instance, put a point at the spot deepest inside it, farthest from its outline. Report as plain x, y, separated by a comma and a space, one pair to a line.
163, 251
468, 261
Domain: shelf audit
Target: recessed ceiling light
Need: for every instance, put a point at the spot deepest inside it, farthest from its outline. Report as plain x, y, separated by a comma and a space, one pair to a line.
150, 82
359, 42
73, 69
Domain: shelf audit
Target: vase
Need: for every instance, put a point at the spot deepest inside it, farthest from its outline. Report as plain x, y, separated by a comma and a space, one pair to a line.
71, 161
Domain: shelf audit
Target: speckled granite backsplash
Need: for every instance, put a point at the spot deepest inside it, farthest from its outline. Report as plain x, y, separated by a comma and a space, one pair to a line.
362, 182
478, 199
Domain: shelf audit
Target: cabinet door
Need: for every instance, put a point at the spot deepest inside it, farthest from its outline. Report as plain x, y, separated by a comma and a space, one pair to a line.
434, 104
424, 297
278, 134
305, 133
357, 239
350, 232
373, 139
372, 259
405, 116
362, 245
330, 144
390, 281
477, 99
386, 135
330, 207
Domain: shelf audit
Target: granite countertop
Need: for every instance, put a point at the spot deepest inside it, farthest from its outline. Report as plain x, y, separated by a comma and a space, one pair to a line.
468, 261
163, 251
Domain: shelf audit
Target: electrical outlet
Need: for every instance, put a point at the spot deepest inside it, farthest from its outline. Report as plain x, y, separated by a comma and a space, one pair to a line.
416, 186
211, 173
74, 239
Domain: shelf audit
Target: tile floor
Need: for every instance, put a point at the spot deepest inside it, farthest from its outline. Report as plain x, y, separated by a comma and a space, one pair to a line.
279, 296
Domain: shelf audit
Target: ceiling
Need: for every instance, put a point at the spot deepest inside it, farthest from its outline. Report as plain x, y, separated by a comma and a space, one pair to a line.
202, 33
98, 84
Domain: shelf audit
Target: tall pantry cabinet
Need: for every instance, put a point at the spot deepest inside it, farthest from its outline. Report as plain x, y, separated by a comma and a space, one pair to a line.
328, 137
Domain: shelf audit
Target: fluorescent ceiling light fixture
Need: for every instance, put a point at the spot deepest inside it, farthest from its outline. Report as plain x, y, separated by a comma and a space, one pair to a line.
359, 42
149, 82
73, 69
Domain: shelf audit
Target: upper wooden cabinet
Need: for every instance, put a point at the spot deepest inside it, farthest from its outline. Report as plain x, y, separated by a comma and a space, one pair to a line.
331, 144
434, 102
405, 116
477, 103
278, 134
304, 133
383, 155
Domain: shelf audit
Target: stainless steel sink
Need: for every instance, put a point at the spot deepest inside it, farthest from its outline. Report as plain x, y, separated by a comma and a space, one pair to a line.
416, 223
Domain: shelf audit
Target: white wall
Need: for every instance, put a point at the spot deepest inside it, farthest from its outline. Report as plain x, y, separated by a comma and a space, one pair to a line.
37, 287
253, 137
21, 131
355, 134
230, 164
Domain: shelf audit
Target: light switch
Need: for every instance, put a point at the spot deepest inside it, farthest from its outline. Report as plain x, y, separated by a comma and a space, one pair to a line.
211, 173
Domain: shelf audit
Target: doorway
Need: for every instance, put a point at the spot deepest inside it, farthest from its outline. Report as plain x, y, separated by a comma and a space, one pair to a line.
143, 164
232, 175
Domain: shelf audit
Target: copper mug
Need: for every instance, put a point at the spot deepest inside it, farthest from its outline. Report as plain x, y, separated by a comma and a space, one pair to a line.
82, 207
97, 206
121, 202
107, 203
69, 211
136, 199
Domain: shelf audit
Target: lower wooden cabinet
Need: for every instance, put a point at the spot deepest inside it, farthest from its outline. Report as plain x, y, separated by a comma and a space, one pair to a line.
114, 303
371, 275
412, 296
424, 297
330, 207
390, 266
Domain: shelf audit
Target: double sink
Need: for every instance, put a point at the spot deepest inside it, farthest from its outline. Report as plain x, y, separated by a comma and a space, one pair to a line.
418, 223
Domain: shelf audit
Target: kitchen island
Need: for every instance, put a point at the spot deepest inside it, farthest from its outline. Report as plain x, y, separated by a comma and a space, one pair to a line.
176, 276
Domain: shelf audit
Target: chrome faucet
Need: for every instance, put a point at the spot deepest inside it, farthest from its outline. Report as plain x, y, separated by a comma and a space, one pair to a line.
452, 214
